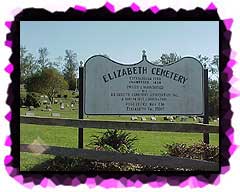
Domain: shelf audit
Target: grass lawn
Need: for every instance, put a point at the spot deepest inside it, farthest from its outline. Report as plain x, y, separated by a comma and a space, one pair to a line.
149, 142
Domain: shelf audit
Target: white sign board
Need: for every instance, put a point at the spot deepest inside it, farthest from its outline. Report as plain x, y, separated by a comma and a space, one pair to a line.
143, 88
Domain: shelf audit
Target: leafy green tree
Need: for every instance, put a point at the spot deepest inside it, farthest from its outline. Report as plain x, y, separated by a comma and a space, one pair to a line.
166, 59
214, 67
48, 81
213, 98
70, 68
43, 60
32, 100
27, 64
204, 60
59, 63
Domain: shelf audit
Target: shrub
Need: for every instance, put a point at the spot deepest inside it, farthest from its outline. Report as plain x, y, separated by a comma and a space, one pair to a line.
61, 163
114, 140
32, 99
22, 98
22, 101
201, 151
65, 96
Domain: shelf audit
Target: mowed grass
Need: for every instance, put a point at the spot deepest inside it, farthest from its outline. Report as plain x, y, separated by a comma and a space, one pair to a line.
148, 142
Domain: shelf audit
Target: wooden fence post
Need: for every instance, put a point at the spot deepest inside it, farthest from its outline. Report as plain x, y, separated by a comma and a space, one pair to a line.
81, 103
206, 115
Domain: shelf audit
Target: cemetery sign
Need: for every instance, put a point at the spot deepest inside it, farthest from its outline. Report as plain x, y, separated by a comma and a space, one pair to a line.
143, 88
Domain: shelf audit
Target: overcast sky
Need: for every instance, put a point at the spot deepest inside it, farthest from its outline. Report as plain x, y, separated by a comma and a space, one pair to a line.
122, 41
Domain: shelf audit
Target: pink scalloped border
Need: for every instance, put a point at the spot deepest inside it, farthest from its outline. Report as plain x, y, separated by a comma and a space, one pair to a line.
133, 181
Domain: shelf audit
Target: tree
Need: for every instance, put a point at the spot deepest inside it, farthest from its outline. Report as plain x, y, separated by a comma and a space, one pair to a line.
48, 81
213, 84
214, 67
32, 100
27, 64
213, 97
167, 59
43, 60
70, 68
59, 63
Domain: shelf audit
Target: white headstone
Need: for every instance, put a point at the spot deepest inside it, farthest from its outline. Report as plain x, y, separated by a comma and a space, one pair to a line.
133, 118
143, 119
194, 118
29, 114
55, 114
153, 118
62, 106
200, 120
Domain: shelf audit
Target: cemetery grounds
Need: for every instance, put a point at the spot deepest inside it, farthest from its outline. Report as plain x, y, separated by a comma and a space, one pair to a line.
149, 142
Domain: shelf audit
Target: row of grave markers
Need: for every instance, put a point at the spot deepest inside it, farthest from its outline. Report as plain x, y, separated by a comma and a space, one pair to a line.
31, 114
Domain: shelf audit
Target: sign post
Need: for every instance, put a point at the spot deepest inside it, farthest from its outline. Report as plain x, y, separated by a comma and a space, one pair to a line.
205, 118
81, 104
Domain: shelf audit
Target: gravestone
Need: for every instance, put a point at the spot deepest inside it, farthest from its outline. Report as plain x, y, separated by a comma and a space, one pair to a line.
48, 108
62, 106
171, 118
133, 118
28, 113
55, 114
194, 118
153, 118
200, 120
183, 119
143, 119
